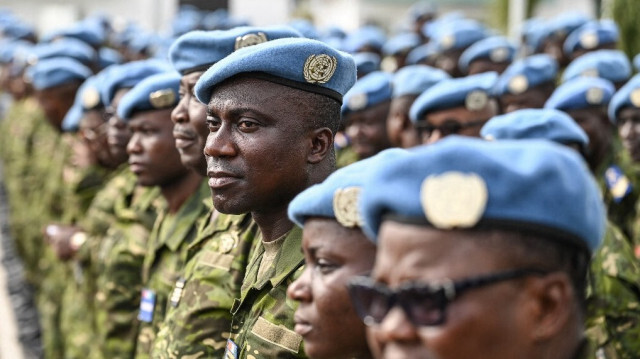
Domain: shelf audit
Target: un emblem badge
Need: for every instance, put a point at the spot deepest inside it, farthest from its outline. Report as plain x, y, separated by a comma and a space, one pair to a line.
318, 69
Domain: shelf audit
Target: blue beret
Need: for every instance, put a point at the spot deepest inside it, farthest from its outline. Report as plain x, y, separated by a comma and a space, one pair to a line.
305, 27
71, 121
431, 28
71, 48
401, 43
591, 35
368, 91
156, 92
415, 79
612, 65
580, 93
57, 71
494, 48
212, 20
334, 32
460, 182
108, 56
89, 31
337, 196
636, 62
548, 124
306, 64
526, 73
9, 48
467, 91
566, 23
366, 62
627, 96
459, 34
422, 52
17, 30
128, 75
365, 36
198, 50
422, 8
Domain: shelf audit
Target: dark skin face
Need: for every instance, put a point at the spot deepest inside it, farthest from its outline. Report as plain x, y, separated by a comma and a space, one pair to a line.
534, 97
486, 65
153, 157
460, 115
519, 318
399, 127
629, 130
93, 131
595, 122
553, 47
368, 129
325, 317
190, 127
56, 102
118, 133
261, 151
580, 51
448, 62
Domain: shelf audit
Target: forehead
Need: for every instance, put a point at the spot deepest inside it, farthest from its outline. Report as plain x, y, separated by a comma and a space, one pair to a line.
377, 111
153, 117
244, 89
408, 251
191, 78
629, 112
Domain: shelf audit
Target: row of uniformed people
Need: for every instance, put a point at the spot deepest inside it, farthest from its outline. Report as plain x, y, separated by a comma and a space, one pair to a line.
313, 75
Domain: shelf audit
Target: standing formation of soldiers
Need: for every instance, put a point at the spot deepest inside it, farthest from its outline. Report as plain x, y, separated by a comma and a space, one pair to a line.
288, 192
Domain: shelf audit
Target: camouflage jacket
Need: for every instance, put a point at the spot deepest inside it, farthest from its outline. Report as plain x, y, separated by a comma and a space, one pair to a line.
164, 261
198, 317
262, 324
613, 298
119, 266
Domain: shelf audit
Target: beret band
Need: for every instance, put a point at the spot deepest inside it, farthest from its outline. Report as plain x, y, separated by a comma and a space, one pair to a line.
297, 85
196, 69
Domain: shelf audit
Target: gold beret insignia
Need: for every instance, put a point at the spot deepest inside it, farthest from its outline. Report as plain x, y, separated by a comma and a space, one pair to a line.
589, 40
499, 54
162, 98
590, 73
389, 64
345, 207
634, 97
250, 40
594, 96
454, 199
318, 69
476, 100
447, 41
518, 84
357, 102
90, 98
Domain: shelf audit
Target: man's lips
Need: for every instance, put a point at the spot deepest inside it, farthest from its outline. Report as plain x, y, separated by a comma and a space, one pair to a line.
302, 326
219, 179
184, 139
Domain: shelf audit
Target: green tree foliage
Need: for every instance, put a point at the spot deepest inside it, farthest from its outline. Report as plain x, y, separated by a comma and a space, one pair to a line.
500, 9
626, 14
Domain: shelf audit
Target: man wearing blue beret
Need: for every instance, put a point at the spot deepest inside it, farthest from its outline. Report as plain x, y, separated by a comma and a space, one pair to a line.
408, 83
273, 110
494, 53
472, 260
199, 312
155, 161
592, 36
527, 83
365, 111
455, 106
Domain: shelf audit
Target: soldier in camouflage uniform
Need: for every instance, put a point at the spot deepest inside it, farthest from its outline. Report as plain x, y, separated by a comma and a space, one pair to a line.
156, 162
295, 130
198, 317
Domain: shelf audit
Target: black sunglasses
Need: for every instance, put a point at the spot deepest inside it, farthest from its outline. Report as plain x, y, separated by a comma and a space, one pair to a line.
448, 127
424, 304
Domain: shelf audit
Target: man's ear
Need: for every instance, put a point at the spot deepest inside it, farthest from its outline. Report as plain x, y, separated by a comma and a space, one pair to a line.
320, 144
551, 305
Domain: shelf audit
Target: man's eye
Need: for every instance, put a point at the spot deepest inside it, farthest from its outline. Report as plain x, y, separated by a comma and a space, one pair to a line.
247, 125
213, 123
324, 266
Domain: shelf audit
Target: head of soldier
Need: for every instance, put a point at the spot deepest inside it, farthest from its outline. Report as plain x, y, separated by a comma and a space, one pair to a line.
191, 55
454, 106
494, 53
118, 81
624, 112
364, 112
272, 112
335, 251
592, 36
527, 83
146, 109
586, 100
471, 259
56, 81
408, 83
